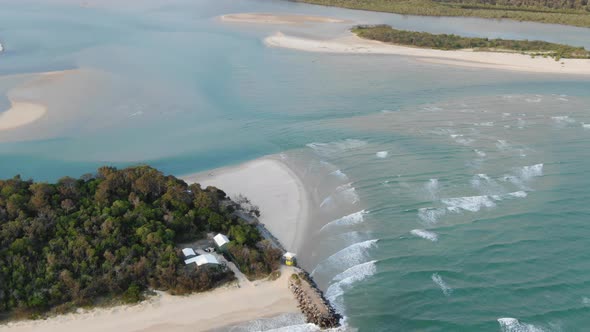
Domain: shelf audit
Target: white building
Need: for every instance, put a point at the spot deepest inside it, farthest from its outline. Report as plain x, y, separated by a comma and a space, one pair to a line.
202, 260
220, 240
188, 252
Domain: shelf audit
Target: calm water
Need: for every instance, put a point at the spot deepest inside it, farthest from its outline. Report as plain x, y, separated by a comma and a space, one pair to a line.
454, 199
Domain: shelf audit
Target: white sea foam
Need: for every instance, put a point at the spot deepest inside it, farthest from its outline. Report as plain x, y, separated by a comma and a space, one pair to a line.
431, 215
563, 119
520, 123
283, 322
502, 144
586, 301
425, 234
348, 257
461, 139
469, 203
333, 148
529, 172
432, 188
346, 280
585, 125
433, 108
533, 100
326, 202
517, 194
382, 154
442, 284
351, 219
339, 174
138, 113
484, 124
480, 153
1, 48
513, 325
345, 192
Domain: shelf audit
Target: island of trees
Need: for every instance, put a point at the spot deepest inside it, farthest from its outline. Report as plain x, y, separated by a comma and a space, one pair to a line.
388, 34
569, 12
113, 235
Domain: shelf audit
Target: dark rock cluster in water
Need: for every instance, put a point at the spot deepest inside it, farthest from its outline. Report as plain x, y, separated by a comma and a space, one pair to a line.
312, 302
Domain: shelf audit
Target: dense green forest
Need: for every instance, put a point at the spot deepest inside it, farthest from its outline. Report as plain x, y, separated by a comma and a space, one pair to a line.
569, 12
113, 235
387, 34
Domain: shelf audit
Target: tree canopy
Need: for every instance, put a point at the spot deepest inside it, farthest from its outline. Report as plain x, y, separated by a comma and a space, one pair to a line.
113, 235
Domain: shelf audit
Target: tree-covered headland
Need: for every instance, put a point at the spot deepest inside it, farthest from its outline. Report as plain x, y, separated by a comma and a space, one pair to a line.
387, 34
112, 236
569, 12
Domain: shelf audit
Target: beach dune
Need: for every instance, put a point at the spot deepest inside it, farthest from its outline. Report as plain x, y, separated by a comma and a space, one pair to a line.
352, 44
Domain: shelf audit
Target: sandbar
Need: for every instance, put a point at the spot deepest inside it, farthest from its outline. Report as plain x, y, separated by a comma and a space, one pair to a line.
267, 18
20, 114
352, 44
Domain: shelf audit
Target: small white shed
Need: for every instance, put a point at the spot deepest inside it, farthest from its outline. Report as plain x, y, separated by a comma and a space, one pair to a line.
220, 240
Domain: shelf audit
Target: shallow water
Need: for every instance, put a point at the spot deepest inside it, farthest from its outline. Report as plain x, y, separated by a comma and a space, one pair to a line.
453, 199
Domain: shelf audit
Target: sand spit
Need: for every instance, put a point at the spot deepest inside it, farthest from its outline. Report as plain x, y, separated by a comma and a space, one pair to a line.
271, 185
352, 44
266, 18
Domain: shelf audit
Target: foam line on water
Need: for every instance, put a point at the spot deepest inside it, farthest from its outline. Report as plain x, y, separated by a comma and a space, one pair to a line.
339, 174
428, 235
348, 220
438, 280
432, 188
382, 154
431, 215
337, 147
509, 324
468, 203
346, 280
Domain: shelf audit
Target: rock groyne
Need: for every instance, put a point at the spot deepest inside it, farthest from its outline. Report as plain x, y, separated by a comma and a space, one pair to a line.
312, 302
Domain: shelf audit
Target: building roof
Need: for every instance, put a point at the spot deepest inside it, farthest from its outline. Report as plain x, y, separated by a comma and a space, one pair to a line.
206, 259
190, 260
188, 252
221, 240
289, 255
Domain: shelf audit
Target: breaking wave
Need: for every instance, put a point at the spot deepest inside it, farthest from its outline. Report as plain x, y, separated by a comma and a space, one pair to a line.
432, 188
382, 154
564, 119
351, 219
425, 234
442, 284
470, 203
529, 172
348, 257
513, 325
431, 215
345, 192
345, 280
485, 184
333, 148
339, 174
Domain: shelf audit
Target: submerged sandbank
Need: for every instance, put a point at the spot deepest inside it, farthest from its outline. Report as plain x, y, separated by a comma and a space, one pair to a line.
267, 18
352, 44
163, 312
21, 113
272, 185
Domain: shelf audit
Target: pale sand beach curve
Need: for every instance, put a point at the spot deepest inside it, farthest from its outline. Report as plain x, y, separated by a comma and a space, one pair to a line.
198, 312
270, 184
20, 114
352, 44
267, 18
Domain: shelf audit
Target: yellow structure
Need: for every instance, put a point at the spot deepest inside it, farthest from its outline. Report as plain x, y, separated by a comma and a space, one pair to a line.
289, 259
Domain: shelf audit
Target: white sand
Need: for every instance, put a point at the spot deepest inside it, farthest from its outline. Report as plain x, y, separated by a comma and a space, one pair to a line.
198, 312
271, 185
353, 44
21, 113
265, 18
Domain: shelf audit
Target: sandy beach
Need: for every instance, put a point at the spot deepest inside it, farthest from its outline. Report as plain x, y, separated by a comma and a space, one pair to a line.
266, 18
271, 185
163, 312
351, 44
21, 113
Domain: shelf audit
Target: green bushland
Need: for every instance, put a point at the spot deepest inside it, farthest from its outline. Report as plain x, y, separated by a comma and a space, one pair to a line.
387, 34
570, 12
111, 236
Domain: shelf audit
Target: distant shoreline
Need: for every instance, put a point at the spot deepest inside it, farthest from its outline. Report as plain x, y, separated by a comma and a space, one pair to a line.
268, 18
352, 44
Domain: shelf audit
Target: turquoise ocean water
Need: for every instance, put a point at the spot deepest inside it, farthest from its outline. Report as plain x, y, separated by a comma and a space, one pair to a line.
454, 199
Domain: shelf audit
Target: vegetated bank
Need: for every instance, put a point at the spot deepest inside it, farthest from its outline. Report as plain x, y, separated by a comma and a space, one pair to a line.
112, 235
570, 12
387, 34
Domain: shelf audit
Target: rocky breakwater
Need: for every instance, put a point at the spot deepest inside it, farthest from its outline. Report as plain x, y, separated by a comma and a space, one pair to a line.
312, 302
